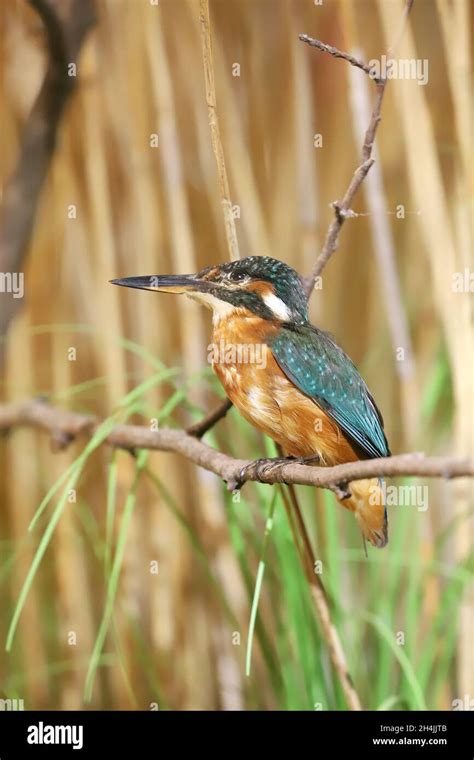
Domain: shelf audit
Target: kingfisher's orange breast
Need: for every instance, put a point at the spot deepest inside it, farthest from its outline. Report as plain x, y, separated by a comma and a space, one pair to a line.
264, 395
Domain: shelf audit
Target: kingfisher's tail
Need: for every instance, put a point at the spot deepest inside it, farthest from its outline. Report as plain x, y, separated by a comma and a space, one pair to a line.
367, 501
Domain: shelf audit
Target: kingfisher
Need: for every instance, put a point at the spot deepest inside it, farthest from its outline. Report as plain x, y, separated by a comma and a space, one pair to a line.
285, 376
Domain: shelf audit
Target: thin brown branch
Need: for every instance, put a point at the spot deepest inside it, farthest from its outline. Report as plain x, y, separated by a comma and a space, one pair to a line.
229, 222
320, 599
335, 52
66, 23
201, 427
342, 209
206, 42
65, 426
341, 212
318, 592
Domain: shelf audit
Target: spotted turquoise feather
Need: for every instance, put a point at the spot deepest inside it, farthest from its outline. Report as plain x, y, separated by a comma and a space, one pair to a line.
320, 369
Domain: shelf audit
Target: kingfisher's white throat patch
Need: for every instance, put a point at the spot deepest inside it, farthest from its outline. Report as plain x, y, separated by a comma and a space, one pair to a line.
220, 308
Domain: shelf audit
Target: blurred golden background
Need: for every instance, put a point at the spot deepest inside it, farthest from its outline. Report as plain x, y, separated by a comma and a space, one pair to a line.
132, 190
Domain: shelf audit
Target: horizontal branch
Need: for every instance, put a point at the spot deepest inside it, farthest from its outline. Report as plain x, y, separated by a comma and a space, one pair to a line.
64, 427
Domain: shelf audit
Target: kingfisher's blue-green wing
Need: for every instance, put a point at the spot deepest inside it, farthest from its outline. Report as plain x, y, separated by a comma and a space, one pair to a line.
321, 370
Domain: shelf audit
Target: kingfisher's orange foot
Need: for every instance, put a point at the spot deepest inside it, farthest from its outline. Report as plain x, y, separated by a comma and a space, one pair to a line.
260, 467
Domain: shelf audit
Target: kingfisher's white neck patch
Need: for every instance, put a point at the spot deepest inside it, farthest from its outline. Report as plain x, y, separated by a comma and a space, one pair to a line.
224, 309
278, 307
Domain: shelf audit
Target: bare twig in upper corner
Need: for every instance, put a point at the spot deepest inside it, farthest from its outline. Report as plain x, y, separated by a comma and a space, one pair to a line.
342, 208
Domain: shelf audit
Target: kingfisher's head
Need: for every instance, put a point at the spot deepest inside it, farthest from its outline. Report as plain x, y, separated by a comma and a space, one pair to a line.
261, 285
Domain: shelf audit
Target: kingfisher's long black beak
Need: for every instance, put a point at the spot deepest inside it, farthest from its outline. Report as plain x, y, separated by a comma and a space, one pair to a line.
167, 283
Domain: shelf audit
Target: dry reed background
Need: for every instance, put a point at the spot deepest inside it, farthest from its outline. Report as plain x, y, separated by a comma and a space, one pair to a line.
144, 210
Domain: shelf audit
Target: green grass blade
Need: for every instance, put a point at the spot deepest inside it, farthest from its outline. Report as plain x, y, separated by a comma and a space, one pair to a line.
114, 578
110, 511
258, 584
407, 667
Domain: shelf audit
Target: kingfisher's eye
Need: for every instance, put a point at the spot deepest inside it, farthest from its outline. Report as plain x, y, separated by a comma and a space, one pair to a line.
238, 276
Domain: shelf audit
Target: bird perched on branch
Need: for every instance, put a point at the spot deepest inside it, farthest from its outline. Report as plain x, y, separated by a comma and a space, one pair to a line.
285, 376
